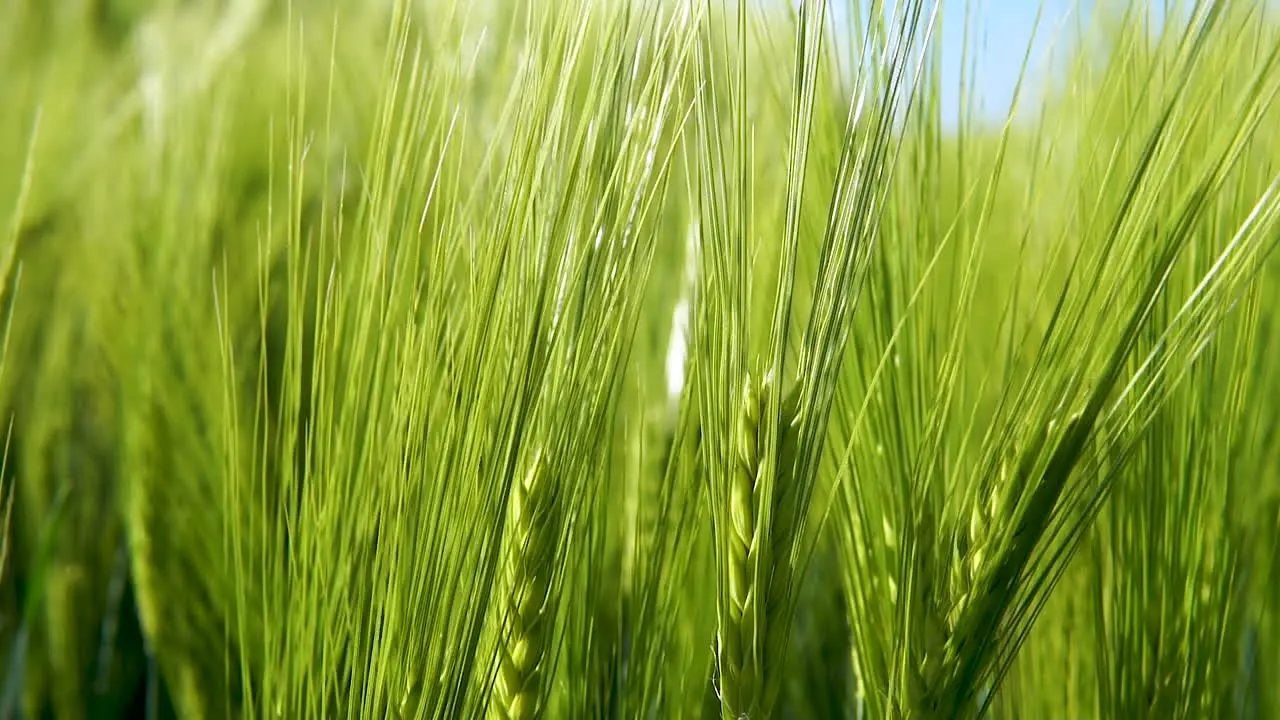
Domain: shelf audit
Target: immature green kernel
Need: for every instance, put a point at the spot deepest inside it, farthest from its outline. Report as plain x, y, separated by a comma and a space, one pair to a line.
535, 525
757, 571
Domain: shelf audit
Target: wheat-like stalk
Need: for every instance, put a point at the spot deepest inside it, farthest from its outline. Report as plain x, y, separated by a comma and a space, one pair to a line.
934, 611
758, 572
972, 546
535, 525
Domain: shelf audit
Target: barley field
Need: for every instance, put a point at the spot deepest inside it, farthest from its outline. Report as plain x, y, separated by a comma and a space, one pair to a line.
636, 359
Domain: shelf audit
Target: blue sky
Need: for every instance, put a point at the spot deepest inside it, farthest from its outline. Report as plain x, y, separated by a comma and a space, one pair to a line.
1000, 34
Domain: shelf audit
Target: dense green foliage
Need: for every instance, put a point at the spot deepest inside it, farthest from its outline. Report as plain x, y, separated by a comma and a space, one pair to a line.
634, 359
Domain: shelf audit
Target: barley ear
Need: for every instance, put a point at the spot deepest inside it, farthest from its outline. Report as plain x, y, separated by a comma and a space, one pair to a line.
530, 564
757, 569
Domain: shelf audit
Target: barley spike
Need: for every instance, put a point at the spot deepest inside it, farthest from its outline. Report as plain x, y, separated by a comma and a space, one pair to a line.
757, 568
535, 524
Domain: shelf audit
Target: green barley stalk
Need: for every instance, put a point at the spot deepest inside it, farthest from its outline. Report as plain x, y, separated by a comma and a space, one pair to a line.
1197, 318
535, 529
918, 442
764, 438
759, 570
1190, 536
